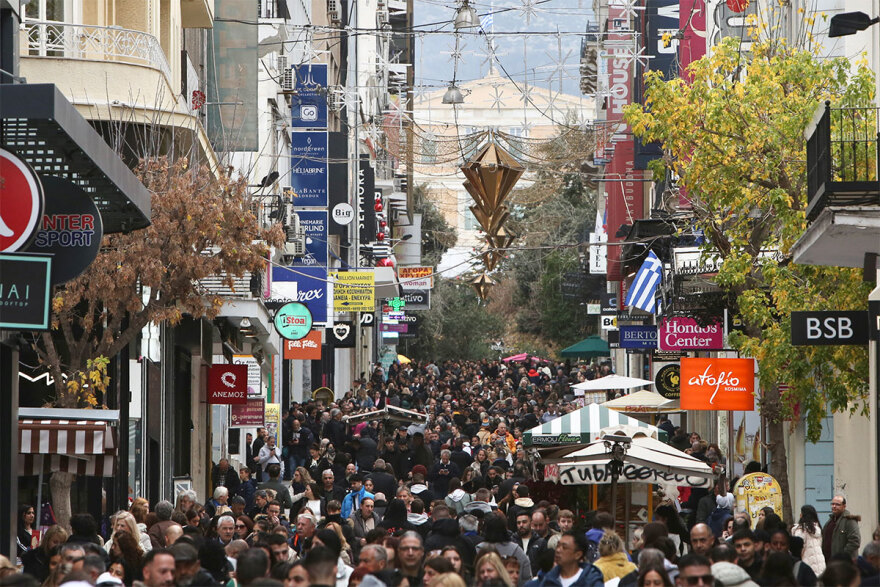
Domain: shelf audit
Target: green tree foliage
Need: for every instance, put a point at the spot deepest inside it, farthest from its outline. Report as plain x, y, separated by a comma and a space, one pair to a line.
437, 235
734, 135
456, 327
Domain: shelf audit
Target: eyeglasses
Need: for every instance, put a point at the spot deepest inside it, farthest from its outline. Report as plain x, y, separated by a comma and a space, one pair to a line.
240, 526
707, 579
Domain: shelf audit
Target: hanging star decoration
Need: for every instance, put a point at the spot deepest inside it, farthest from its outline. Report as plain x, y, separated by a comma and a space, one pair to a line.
528, 10
497, 97
630, 7
631, 55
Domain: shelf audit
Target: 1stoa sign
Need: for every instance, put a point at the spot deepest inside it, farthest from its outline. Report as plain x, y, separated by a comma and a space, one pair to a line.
293, 321
717, 384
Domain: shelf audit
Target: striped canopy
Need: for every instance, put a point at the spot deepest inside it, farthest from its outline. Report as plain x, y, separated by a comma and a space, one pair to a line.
82, 447
580, 427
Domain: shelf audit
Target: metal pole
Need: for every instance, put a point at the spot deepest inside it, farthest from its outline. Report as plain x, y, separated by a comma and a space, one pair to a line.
9, 445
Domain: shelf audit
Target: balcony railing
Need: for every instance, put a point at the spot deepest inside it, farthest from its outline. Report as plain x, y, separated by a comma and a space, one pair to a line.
248, 286
842, 158
94, 43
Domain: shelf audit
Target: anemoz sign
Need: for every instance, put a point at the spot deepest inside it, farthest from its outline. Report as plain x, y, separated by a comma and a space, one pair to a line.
227, 384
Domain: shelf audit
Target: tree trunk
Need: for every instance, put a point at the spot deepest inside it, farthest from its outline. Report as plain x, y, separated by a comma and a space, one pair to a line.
60, 484
775, 426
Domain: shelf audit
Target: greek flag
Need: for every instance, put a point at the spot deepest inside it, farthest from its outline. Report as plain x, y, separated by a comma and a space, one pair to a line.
486, 22
641, 293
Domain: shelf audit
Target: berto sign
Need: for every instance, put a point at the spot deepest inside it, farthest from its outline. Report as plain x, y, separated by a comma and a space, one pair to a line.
684, 333
718, 384
293, 321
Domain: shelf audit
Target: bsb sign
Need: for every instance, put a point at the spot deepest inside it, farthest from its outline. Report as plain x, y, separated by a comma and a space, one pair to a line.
829, 328
718, 384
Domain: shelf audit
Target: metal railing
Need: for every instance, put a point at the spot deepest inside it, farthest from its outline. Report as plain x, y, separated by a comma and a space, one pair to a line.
842, 157
94, 43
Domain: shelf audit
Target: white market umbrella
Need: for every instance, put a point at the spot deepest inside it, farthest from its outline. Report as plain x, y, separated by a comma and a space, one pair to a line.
612, 382
642, 401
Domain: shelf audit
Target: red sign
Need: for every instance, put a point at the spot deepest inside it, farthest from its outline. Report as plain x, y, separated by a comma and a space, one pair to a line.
21, 202
251, 414
677, 334
304, 349
227, 384
718, 384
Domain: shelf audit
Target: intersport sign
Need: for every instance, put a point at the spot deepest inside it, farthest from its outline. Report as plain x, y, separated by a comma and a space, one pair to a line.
677, 334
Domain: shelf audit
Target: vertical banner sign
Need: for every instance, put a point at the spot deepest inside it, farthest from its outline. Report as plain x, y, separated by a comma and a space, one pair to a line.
717, 384
254, 374
624, 201
227, 384
232, 76
314, 224
366, 187
308, 169
342, 212
310, 100
307, 285
661, 17
273, 420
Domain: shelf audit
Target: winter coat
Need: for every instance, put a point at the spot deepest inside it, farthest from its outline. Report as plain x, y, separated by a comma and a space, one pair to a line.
457, 500
352, 501
590, 577
846, 537
812, 553
614, 566
359, 524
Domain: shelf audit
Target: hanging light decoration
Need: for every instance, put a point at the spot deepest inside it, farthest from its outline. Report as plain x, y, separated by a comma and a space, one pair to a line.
453, 95
482, 284
466, 17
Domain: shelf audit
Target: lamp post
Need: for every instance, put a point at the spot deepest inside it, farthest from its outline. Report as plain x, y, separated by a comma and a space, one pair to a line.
616, 446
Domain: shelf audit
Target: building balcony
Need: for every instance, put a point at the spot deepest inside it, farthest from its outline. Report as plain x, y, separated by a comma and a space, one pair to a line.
843, 189
197, 14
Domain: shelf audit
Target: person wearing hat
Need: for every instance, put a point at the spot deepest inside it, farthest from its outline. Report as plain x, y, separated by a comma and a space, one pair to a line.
420, 454
419, 487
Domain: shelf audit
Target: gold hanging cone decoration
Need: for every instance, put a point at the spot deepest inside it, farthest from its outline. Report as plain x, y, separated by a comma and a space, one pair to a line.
482, 284
491, 259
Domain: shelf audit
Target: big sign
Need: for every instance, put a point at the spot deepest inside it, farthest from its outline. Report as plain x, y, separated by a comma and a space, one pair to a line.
718, 384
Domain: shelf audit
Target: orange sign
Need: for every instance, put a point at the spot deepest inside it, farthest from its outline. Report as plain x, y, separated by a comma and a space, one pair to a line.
304, 349
718, 384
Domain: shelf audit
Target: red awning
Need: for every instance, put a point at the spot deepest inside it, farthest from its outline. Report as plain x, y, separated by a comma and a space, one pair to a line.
82, 447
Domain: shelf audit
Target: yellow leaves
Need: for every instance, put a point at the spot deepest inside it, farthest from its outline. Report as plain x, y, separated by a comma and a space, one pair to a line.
667, 39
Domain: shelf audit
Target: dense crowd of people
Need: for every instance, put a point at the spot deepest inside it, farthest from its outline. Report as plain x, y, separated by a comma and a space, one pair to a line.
447, 500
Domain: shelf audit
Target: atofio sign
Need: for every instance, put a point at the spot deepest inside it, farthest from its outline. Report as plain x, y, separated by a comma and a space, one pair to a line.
293, 321
678, 334
718, 384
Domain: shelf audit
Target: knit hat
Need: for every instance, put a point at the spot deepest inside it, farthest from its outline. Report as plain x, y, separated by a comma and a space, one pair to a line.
420, 469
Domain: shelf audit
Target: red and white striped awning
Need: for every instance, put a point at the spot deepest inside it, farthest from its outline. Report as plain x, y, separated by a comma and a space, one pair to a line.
82, 447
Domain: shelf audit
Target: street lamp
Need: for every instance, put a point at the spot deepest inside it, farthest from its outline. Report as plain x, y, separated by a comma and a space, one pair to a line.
616, 446
466, 17
453, 95
849, 23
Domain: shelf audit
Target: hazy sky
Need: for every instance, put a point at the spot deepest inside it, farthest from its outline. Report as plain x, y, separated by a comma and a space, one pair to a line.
538, 56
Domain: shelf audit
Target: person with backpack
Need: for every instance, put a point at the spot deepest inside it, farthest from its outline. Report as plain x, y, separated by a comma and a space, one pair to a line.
602, 522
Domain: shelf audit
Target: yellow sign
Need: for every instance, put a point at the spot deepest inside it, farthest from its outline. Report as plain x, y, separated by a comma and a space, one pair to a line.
353, 291
756, 491
273, 419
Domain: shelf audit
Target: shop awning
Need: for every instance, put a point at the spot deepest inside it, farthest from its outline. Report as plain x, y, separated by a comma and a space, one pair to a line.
592, 346
647, 402
581, 427
79, 446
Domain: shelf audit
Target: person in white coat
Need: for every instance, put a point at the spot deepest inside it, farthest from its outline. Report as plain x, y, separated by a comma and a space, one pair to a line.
270, 454
810, 531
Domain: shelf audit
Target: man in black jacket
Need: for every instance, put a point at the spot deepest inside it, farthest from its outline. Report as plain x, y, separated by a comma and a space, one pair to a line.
223, 474
297, 440
335, 429
383, 482
527, 539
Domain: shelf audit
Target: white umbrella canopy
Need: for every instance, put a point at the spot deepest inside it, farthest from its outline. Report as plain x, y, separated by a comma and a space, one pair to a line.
642, 401
647, 461
612, 382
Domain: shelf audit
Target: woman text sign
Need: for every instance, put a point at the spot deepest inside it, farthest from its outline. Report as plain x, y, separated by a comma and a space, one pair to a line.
718, 384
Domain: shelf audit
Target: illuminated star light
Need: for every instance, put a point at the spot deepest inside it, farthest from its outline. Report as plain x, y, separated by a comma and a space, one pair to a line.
528, 10
497, 97
631, 56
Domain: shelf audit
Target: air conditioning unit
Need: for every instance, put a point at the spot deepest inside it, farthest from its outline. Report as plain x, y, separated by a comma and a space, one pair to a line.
295, 238
287, 83
382, 17
281, 63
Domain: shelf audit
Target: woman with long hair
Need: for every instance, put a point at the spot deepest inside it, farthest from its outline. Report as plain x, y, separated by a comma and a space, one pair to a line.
35, 562
809, 530
310, 498
395, 520
301, 478
490, 572
125, 547
453, 555
346, 553
654, 576
25, 540
243, 527
612, 559
125, 522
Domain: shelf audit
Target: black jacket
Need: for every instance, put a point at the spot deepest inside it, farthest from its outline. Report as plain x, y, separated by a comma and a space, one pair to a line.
536, 545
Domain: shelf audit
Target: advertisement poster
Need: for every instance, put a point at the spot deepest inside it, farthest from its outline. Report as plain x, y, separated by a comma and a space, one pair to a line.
254, 375
314, 224
308, 169
273, 420
717, 384
249, 415
309, 108
307, 285
756, 491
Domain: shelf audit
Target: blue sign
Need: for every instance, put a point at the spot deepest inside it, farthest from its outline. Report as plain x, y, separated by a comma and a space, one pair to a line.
638, 337
314, 223
309, 108
307, 285
308, 168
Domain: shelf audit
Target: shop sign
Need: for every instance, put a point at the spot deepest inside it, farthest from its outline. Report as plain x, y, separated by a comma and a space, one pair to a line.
251, 414
399, 328
638, 337
308, 168
314, 225
685, 333
419, 299
343, 213
599, 473
273, 421
293, 321
70, 229
608, 322
342, 334
227, 384
307, 285
667, 382
754, 492
368, 319
307, 348
255, 375
21, 202
354, 291
609, 303
718, 384
829, 328
25, 288
310, 105
415, 277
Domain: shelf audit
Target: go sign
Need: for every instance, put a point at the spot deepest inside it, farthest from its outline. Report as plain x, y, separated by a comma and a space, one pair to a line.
293, 321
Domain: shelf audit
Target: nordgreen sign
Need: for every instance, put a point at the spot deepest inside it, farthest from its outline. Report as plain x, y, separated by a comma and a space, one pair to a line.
293, 321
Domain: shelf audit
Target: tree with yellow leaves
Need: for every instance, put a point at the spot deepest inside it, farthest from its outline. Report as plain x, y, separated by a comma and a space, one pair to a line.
734, 136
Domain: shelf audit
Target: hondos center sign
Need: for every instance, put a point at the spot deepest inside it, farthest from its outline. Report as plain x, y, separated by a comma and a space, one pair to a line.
681, 333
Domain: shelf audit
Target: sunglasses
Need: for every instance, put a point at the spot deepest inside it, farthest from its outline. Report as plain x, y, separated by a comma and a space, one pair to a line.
698, 579
240, 526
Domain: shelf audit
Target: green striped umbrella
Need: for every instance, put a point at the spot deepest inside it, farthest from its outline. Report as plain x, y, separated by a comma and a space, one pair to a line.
580, 427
